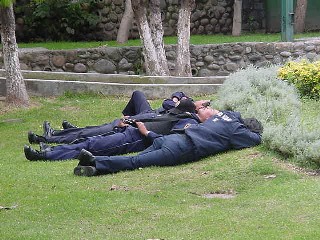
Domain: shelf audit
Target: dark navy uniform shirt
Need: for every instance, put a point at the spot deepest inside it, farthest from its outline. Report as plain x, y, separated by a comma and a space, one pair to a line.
221, 132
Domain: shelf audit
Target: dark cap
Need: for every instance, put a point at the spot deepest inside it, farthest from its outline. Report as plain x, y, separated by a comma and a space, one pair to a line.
184, 105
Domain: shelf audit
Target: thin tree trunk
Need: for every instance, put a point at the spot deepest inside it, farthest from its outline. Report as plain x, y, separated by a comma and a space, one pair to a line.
16, 89
157, 34
300, 16
237, 18
183, 65
152, 64
126, 23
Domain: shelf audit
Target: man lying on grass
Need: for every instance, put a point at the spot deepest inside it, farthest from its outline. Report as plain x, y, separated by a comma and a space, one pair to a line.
126, 139
137, 105
218, 131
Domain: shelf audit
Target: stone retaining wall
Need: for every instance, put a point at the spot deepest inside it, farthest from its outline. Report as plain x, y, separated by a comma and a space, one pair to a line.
208, 17
206, 60
42, 83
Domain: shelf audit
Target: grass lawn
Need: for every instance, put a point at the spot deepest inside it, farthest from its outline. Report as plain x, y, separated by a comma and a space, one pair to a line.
264, 196
195, 39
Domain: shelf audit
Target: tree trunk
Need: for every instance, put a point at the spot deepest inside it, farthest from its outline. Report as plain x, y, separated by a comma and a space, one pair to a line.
152, 64
16, 89
300, 16
237, 18
157, 35
126, 23
183, 65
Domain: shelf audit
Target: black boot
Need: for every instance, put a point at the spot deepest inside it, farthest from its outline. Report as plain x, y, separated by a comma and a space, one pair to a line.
47, 129
34, 138
66, 125
86, 158
87, 171
86, 166
44, 147
33, 155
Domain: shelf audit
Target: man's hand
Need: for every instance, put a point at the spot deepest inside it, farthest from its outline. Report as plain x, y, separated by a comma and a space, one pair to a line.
175, 99
142, 128
122, 124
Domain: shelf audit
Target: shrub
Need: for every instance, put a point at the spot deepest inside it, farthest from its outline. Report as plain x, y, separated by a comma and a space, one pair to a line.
259, 93
59, 19
304, 75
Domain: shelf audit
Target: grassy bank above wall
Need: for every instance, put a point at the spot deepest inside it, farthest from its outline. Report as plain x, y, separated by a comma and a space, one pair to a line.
195, 39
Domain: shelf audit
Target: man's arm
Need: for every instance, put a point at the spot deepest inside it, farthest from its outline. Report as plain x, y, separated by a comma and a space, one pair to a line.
145, 132
243, 138
175, 97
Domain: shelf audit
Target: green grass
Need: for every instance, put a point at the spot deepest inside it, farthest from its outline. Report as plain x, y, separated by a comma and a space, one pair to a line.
195, 39
151, 203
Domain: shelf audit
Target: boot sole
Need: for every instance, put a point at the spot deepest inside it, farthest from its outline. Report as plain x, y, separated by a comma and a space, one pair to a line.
87, 171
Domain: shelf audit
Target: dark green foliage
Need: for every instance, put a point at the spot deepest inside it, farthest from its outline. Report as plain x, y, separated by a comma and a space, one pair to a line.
58, 19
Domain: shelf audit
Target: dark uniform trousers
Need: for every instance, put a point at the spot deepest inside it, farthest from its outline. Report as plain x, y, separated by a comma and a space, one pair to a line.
138, 104
126, 141
77, 134
168, 150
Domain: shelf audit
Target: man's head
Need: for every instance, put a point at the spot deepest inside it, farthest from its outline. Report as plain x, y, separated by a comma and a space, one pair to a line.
253, 124
187, 105
206, 112
201, 103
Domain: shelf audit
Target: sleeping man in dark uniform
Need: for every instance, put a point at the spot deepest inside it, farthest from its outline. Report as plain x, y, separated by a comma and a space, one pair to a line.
122, 140
138, 104
218, 131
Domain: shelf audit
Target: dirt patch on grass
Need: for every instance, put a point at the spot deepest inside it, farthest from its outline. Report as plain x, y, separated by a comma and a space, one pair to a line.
6, 109
70, 109
255, 155
293, 168
218, 194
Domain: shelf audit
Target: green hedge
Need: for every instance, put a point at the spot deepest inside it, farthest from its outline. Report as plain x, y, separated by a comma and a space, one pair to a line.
304, 75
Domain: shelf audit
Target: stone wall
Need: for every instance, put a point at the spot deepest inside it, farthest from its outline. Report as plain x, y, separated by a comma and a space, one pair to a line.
206, 60
208, 17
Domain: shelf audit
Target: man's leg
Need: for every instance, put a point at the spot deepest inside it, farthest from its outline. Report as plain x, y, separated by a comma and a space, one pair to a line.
137, 104
127, 141
166, 151
72, 134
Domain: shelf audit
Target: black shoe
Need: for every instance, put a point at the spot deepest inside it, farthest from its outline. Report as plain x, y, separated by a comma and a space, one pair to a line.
87, 171
47, 129
34, 138
86, 158
33, 155
66, 125
44, 147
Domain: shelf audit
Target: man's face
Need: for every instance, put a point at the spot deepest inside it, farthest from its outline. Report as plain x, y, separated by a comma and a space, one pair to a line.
205, 112
199, 104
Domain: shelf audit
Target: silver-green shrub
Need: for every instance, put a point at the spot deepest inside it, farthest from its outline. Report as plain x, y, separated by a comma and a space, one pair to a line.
257, 92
